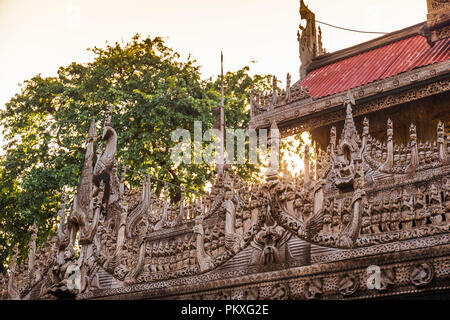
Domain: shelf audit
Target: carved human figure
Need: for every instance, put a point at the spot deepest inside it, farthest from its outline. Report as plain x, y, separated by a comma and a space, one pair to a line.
442, 152
332, 139
389, 161
366, 218
307, 200
154, 258
247, 219
336, 218
446, 188
421, 212
63, 272
346, 211
192, 255
327, 217
435, 205
231, 236
366, 127
385, 215
395, 213
407, 211
377, 207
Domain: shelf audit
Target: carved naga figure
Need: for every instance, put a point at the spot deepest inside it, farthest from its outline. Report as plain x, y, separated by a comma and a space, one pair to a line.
81, 209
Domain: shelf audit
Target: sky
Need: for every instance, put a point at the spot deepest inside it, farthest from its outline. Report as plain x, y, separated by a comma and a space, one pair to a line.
38, 36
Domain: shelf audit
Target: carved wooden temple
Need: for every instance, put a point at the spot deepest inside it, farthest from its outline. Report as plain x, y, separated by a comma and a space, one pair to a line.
378, 194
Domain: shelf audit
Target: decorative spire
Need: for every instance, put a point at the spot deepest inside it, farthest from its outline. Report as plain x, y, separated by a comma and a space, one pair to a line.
307, 38
438, 19
274, 93
349, 132
288, 87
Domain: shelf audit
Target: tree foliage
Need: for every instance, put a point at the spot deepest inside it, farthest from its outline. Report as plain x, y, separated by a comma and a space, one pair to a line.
153, 92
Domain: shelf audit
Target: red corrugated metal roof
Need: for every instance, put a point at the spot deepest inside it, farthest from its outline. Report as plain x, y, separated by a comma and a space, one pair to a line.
376, 64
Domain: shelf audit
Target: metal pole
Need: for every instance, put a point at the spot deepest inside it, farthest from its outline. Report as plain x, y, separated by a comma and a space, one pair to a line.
222, 116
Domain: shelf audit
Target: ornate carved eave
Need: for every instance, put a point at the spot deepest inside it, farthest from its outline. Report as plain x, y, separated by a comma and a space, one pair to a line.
402, 262
301, 115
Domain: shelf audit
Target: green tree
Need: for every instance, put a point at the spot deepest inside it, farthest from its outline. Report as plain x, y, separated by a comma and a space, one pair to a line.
153, 92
